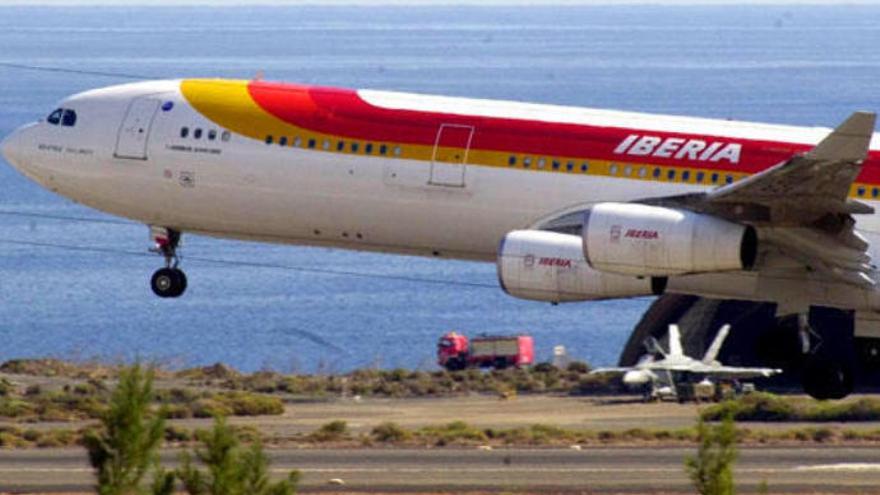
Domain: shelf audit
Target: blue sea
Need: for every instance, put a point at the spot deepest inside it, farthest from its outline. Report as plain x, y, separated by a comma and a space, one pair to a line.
73, 281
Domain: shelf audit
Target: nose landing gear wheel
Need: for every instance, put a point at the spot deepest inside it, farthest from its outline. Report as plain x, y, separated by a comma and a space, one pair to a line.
168, 282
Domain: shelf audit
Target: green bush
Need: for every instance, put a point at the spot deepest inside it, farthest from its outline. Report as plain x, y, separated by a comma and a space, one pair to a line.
454, 432
247, 404
126, 444
711, 470
230, 468
769, 407
332, 431
389, 432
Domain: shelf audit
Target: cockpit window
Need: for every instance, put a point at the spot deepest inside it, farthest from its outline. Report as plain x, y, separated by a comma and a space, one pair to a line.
69, 118
55, 117
62, 116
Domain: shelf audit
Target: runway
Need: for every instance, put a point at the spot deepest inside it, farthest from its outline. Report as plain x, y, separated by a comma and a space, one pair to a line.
796, 469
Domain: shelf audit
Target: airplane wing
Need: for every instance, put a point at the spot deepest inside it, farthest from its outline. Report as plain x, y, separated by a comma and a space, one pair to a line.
611, 371
733, 371
802, 205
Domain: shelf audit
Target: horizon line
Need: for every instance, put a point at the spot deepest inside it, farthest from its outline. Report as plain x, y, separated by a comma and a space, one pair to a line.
431, 3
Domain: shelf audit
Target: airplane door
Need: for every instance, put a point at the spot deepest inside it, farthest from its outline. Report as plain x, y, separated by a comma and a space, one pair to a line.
450, 155
135, 130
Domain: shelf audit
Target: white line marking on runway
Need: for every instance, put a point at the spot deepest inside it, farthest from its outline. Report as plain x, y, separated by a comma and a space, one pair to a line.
842, 466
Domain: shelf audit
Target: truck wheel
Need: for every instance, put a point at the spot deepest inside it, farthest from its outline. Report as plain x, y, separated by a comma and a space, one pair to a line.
455, 364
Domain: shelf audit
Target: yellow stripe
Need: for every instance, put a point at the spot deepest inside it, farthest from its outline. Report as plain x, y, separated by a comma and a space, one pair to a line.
228, 103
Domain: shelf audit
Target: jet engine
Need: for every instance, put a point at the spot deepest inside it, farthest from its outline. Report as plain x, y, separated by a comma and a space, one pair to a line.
637, 239
547, 266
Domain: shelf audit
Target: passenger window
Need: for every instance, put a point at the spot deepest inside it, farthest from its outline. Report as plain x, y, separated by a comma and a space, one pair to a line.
729, 179
670, 175
686, 175
613, 169
69, 118
700, 176
326, 144
368, 148
527, 162
541, 162
569, 166
383, 149
311, 144
874, 192
397, 151
184, 132
657, 173
555, 164
55, 117
714, 178
212, 134
297, 142
861, 191
354, 147
511, 160
282, 141
268, 138
225, 136
585, 166
340, 146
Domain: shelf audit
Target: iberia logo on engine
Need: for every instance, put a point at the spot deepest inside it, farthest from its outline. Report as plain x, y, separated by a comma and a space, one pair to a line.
642, 234
561, 262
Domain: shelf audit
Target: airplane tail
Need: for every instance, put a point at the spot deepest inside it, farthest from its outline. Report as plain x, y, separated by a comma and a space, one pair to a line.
653, 346
675, 348
712, 351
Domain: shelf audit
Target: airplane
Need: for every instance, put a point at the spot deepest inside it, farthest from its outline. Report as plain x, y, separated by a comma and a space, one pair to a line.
572, 204
658, 376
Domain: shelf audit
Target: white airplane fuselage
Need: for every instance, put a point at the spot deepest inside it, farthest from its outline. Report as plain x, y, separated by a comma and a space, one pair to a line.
395, 172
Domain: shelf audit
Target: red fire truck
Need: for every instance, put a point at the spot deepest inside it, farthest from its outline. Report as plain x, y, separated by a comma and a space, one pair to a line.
456, 352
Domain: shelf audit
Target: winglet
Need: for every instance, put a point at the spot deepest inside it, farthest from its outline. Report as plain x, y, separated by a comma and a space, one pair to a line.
849, 141
713, 350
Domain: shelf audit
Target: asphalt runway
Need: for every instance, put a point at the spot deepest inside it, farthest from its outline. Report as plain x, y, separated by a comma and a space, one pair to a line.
796, 469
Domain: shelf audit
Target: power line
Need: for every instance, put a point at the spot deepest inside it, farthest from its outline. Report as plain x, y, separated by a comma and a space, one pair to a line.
47, 216
42, 68
252, 264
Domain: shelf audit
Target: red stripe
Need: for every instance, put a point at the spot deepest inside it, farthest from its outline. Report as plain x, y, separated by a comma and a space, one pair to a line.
341, 112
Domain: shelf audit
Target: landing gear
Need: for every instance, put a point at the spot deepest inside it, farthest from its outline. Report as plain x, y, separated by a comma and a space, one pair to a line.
826, 374
825, 378
169, 281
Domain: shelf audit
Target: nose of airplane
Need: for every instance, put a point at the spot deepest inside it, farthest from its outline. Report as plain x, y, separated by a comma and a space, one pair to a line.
11, 148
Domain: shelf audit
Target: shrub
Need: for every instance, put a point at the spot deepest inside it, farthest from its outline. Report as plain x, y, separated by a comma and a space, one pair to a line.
248, 404
711, 470
209, 408
127, 442
332, 431
578, 367
389, 432
231, 470
456, 431
752, 407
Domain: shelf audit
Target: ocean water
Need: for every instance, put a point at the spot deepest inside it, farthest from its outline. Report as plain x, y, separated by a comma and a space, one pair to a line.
74, 282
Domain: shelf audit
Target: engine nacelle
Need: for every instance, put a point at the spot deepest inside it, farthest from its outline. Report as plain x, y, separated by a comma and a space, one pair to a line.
636, 239
546, 266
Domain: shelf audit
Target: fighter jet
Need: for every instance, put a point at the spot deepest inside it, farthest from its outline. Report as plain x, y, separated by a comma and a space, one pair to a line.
662, 378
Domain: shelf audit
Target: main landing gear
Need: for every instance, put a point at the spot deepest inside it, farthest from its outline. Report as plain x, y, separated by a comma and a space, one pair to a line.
826, 374
169, 281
